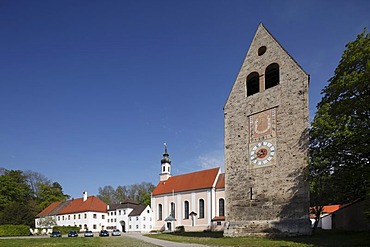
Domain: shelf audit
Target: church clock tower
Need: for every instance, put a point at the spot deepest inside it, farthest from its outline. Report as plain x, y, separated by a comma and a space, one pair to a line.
266, 122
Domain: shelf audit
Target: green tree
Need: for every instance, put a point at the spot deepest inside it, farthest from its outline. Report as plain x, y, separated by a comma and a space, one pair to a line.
106, 194
340, 131
135, 192
44, 192
48, 194
15, 198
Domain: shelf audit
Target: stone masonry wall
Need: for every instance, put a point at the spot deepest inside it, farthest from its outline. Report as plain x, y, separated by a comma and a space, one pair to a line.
279, 203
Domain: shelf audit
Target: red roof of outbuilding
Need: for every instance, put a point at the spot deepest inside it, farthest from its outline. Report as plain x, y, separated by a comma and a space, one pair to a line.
331, 208
218, 218
328, 208
190, 181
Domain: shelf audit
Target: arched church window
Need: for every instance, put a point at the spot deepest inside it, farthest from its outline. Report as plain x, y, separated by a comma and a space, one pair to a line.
253, 83
221, 207
186, 210
272, 76
173, 209
201, 208
159, 211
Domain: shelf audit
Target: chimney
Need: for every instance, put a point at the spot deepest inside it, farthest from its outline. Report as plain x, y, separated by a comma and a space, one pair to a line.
84, 196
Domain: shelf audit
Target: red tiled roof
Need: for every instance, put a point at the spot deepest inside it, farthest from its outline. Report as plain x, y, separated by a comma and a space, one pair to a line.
49, 209
91, 204
74, 206
190, 181
220, 181
329, 208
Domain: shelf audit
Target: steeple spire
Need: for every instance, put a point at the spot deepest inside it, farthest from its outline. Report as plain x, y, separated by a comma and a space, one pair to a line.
165, 158
166, 165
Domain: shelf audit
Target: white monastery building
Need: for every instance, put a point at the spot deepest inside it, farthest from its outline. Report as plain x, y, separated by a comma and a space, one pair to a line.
90, 213
194, 200
130, 217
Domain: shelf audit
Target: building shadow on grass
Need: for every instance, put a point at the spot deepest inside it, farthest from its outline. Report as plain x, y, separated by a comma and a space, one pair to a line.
322, 238
328, 238
205, 234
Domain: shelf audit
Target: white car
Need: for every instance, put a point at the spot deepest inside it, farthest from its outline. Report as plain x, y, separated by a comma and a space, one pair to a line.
88, 234
116, 232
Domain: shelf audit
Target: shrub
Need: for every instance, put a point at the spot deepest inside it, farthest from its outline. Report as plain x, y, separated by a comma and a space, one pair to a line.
14, 230
180, 229
66, 229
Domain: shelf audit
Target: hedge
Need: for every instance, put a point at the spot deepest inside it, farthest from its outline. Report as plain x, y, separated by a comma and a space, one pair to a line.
66, 229
14, 230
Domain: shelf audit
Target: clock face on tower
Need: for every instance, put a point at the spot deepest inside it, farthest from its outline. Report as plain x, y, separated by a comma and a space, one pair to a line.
262, 138
262, 153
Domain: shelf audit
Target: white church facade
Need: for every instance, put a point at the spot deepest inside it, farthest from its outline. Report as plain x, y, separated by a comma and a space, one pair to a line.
194, 200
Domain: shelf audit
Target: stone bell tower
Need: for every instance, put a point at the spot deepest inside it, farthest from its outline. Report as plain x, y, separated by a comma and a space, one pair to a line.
266, 122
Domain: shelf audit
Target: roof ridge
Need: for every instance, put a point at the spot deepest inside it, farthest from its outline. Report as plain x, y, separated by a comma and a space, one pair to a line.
196, 172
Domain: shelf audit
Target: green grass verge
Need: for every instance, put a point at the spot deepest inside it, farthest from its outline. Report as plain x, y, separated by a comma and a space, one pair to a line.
320, 239
69, 242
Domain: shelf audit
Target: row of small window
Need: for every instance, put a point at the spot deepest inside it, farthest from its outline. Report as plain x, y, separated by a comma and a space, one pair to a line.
119, 212
78, 216
137, 227
112, 220
85, 227
272, 79
221, 209
137, 218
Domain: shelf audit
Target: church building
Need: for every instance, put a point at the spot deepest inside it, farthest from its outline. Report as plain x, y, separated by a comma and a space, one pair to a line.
266, 142
194, 200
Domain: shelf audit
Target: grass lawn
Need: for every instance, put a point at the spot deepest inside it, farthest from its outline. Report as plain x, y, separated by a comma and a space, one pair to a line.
69, 242
319, 238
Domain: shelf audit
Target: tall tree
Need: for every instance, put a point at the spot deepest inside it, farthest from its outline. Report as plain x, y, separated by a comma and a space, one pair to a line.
136, 192
50, 193
106, 194
15, 198
120, 194
340, 131
35, 179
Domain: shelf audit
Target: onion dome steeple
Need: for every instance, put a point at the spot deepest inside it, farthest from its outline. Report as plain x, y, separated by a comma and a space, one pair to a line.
166, 165
166, 156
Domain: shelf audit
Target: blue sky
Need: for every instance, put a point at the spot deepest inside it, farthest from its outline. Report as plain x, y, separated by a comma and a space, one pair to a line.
90, 90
